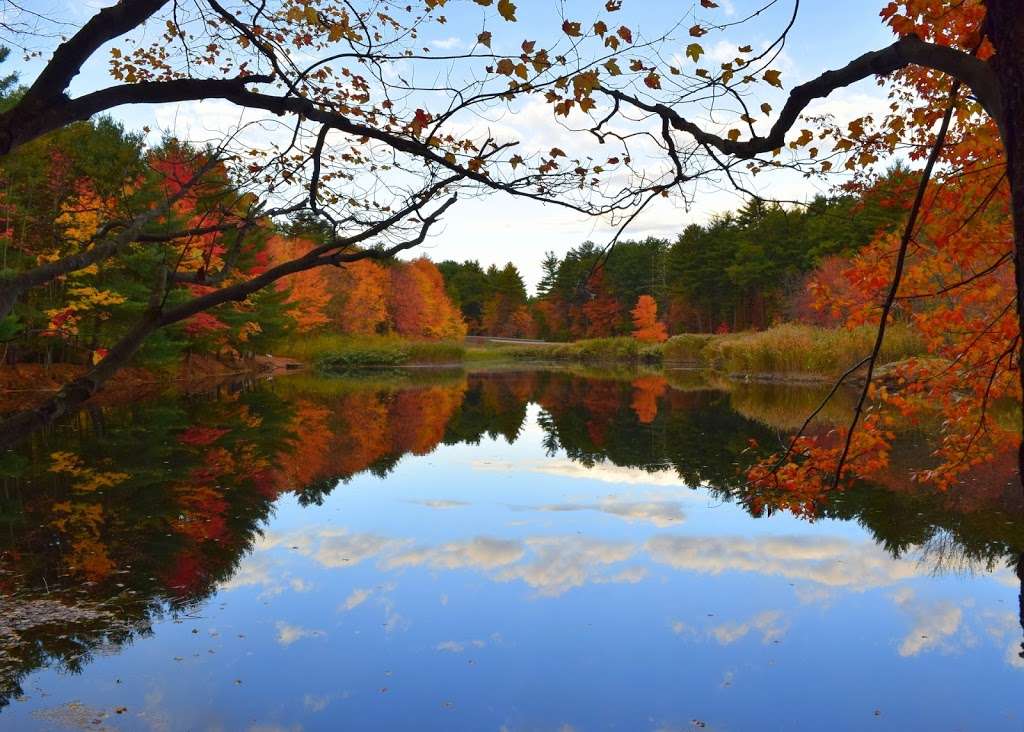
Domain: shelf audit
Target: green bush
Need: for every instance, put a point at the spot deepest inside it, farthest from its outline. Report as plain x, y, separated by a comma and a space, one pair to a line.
332, 352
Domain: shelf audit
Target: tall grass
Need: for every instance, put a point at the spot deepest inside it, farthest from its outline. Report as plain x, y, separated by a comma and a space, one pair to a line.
686, 348
786, 351
792, 349
622, 349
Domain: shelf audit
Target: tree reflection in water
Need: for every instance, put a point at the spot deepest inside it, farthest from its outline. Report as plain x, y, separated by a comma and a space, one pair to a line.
132, 514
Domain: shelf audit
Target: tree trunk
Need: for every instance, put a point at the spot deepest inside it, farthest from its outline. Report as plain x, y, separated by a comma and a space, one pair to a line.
1020, 597
1004, 26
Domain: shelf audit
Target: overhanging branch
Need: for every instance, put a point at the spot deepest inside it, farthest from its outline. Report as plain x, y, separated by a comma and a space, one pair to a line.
907, 51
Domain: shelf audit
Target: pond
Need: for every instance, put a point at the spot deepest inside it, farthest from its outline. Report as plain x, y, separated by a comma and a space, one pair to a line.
507, 550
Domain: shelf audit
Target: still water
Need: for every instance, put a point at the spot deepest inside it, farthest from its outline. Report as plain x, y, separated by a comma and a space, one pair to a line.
538, 550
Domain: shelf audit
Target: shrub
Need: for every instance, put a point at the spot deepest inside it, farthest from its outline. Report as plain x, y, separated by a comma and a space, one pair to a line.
332, 352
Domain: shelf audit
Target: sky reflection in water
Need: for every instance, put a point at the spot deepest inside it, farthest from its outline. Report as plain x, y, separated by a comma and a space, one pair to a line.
523, 584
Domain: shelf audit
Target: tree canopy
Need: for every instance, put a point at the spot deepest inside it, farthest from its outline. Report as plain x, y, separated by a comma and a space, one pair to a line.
337, 131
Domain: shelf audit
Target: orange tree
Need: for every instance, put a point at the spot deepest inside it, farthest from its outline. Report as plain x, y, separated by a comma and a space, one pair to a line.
646, 326
331, 128
956, 265
379, 157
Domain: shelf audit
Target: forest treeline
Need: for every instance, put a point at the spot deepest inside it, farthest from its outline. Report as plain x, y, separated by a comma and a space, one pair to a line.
58, 194
741, 270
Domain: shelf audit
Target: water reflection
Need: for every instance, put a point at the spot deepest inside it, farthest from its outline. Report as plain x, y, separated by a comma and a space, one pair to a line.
139, 517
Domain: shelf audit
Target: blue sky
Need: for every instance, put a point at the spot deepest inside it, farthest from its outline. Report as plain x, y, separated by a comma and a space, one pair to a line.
495, 229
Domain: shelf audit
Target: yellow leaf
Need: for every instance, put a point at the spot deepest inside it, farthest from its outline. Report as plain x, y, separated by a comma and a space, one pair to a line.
772, 77
612, 67
583, 84
694, 51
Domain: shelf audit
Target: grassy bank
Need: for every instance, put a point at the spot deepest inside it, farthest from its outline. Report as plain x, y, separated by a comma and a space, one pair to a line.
331, 352
338, 353
593, 350
786, 351
790, 350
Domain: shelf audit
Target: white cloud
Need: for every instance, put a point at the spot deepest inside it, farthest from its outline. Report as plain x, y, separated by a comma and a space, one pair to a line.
935, 624
262, 570
832, 562
813, 595
659, 513
605, 473
628, 576
315, 703
478, 553
680, 628
769, 624
288, 634
446, 43
356, 598
333, 547
562, 563
451, 646
442, 504
1005, 627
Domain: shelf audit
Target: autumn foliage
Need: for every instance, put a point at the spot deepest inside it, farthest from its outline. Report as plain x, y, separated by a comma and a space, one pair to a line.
646, 326
957, 290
